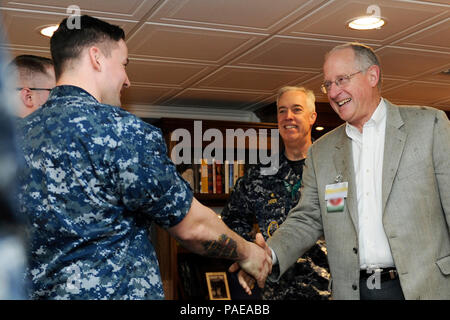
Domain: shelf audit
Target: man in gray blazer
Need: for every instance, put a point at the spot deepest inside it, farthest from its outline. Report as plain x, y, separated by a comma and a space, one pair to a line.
377, 188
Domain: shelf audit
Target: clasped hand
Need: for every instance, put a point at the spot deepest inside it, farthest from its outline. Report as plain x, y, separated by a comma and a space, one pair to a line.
256, 267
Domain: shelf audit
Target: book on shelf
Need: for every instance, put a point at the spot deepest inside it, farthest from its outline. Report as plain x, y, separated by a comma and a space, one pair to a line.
230, 175
241, 165
219, 176
214, 176
196, 174
227, 176
204, 176
235, 172
210, 178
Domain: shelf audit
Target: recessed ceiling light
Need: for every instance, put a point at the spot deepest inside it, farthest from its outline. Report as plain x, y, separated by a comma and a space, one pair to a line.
319, 128
366, 23
49, 30
446, 72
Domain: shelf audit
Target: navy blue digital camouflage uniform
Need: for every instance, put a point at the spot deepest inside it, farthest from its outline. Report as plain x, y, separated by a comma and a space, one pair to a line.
96, 177
266, 201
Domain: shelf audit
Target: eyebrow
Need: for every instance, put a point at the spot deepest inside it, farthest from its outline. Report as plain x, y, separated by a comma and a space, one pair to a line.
292, 106
337, 77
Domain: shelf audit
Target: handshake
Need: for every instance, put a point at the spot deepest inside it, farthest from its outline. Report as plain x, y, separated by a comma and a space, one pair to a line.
256, 265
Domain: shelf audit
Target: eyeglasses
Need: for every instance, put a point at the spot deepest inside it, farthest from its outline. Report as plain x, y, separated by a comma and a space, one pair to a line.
340, 82
46, 89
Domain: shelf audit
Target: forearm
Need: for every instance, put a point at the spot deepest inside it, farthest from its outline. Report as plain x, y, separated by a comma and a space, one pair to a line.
203, 232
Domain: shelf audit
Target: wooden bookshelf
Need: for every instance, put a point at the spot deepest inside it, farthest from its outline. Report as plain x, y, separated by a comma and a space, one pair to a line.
166, 247
169, 125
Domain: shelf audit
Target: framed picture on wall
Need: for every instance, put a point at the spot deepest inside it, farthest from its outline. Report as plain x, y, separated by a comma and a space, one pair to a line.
218, 285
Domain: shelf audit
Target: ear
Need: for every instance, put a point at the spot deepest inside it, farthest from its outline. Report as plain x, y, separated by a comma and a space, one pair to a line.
95, 56
313, 118
373, 75
26, 97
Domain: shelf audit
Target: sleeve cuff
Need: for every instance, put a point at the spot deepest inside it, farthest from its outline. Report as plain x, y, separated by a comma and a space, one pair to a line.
274, 257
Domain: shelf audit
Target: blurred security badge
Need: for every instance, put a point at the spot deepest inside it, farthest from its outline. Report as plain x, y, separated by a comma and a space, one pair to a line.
335, 205
336, 190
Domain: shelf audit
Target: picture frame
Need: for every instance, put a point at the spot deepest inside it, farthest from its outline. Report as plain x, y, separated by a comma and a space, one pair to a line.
218, 286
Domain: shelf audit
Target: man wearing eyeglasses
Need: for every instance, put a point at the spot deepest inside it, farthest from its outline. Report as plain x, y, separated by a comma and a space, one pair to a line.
377, 188
36, 78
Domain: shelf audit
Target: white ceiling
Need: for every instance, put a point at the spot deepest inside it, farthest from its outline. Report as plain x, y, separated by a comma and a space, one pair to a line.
235, 54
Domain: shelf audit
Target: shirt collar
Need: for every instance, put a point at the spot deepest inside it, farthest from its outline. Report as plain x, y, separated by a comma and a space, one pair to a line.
378, 116
379, 113
69, 90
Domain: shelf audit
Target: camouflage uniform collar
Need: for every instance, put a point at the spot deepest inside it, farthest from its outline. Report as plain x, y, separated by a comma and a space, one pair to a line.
70, 90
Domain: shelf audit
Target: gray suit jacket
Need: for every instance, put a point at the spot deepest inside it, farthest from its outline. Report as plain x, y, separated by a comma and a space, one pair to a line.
415, 202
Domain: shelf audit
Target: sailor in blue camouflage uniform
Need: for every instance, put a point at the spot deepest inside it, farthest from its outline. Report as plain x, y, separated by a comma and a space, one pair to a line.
97, 177
108, 163
265, 200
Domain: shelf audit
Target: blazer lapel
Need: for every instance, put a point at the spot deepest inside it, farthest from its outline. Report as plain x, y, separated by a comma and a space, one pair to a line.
394, 142
343, 161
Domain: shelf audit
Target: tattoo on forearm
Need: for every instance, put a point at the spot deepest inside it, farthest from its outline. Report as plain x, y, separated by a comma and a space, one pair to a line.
224, 247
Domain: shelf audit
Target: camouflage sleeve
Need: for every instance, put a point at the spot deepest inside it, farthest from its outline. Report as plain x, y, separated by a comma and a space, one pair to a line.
148, 179
238, 214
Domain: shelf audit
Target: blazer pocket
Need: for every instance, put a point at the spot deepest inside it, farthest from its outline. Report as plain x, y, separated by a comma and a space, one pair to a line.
444, 265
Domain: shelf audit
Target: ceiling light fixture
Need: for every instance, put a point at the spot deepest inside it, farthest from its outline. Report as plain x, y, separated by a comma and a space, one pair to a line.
446, 72
366, 23
48, 31
319, 128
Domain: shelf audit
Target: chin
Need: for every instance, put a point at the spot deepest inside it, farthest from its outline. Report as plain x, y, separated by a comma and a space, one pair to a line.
291, 138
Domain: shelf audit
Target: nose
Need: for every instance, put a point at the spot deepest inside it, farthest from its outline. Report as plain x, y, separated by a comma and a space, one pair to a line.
127, 82
288, 113
333, 91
